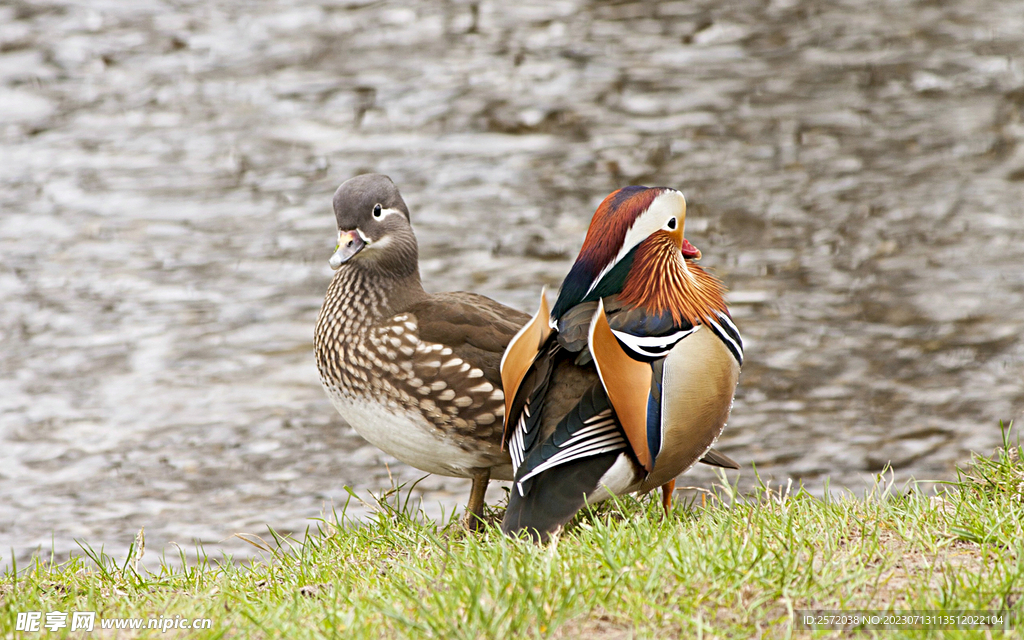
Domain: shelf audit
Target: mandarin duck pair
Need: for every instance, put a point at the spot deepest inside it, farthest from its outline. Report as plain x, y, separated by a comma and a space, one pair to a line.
620, 387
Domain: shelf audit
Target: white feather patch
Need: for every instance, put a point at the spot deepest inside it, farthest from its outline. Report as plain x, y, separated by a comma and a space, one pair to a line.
667, 204
652, 346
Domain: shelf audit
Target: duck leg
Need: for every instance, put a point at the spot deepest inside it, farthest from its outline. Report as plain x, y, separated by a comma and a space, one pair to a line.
475, 507
666, 494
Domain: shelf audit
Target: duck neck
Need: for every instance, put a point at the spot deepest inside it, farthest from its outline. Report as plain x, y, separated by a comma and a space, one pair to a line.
358, 296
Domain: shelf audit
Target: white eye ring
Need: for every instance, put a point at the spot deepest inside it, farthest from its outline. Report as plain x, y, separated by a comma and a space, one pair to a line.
377, 211
671, 224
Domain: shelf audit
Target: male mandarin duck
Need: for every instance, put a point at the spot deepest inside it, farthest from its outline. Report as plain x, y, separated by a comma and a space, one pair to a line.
416, 374
629, 380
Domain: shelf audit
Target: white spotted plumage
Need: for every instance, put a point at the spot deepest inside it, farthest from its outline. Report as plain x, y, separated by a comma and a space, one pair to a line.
412, 412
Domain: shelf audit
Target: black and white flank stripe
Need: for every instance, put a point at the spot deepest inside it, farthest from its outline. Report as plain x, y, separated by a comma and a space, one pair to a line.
726, 330
599, 434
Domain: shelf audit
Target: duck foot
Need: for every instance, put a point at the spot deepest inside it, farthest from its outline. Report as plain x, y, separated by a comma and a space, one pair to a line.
473, 520
666, 495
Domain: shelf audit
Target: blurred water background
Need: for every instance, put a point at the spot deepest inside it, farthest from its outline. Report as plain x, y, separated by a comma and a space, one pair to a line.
854, 172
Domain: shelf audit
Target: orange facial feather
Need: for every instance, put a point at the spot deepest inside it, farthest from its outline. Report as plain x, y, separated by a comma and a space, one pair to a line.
661, 280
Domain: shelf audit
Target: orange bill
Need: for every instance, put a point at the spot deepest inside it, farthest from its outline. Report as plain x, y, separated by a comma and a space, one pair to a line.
627, 382
522, 351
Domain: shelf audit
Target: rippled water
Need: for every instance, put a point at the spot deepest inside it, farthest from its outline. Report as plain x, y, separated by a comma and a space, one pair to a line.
855, 173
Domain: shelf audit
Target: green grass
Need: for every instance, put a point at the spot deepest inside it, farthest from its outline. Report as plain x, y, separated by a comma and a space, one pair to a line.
736, 567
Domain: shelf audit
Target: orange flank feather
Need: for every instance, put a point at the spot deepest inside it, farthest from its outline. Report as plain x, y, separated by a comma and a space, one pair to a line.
627, 382
662, 280
521, 351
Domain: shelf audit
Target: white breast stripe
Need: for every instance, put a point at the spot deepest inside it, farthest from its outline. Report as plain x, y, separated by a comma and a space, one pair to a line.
653, 346
654, 341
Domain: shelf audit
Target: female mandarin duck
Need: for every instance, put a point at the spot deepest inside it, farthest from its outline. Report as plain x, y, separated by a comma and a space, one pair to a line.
414, 373
630, 378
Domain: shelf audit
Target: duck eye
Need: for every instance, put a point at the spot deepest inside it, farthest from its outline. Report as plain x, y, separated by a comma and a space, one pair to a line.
672, 223
377, 211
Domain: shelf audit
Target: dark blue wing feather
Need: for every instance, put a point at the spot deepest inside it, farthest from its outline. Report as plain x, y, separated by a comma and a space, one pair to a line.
523, 425
589, 429
558, 474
